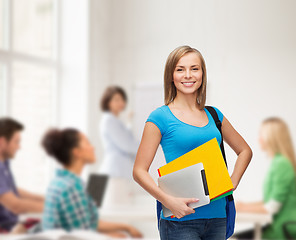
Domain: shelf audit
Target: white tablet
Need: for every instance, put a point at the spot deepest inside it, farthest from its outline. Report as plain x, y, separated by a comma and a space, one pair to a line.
189, 182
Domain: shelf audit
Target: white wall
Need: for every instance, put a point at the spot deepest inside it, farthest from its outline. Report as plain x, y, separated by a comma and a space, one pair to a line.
73, 73
249, 48
74, 59
99, 76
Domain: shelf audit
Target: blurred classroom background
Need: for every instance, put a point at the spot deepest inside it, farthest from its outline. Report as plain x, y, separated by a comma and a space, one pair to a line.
58, 56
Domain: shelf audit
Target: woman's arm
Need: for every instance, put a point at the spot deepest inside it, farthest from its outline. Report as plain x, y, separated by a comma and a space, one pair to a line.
256, 207
114, 228
241, 148
145, 155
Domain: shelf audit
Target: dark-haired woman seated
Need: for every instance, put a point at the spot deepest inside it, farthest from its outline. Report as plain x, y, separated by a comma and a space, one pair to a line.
67, 204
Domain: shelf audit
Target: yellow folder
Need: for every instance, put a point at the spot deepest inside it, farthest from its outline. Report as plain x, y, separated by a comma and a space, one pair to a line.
209, 153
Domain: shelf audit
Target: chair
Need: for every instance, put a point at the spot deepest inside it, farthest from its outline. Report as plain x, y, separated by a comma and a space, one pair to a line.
286, 229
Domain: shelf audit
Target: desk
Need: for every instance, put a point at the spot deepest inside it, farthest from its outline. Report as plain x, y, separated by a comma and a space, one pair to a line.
259, 220
27, 237
148, 214
117, 213
129, 213
142, 217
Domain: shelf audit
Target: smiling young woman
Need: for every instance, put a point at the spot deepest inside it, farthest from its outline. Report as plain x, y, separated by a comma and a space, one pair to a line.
179, 126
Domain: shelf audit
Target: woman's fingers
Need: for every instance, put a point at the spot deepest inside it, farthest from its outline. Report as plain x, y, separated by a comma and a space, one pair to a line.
186, 210
179, 206
190, 200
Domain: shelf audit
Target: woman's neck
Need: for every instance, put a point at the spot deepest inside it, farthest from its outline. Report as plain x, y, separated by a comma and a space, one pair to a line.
116, 114
271, 154
76, 167
186, 101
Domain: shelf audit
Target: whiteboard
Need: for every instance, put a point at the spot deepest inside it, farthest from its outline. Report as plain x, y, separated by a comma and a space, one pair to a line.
147, 97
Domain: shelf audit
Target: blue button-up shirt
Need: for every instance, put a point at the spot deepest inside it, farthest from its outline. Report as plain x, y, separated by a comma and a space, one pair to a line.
7, 218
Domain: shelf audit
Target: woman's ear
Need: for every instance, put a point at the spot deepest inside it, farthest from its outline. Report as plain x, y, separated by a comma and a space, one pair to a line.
3, 143
75, 152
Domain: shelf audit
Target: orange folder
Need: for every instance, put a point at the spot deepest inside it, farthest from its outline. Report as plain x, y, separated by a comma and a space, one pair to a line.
209, 153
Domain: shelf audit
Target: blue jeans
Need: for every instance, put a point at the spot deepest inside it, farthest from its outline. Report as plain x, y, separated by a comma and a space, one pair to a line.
197, 229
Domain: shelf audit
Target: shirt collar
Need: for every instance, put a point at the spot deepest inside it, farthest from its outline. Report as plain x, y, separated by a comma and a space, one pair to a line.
66, 173
4, 164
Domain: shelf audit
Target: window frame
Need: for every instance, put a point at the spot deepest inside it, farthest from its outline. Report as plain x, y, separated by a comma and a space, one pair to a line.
8, 56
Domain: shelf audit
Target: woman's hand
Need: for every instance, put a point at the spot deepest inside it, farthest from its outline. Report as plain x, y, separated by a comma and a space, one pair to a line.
179, 206
133, 232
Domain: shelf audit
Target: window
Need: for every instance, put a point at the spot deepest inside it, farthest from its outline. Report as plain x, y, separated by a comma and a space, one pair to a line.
32, 27
32, 103
28, 76
2, 18
2, 91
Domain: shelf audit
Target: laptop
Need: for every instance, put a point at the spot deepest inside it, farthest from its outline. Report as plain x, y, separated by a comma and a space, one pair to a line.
189, 182
96, 187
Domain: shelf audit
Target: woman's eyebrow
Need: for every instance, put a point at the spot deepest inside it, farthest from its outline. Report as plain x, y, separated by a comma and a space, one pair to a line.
196, 65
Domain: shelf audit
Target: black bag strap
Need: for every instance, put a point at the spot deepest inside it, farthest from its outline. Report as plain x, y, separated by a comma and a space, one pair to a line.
218, 123
214, 114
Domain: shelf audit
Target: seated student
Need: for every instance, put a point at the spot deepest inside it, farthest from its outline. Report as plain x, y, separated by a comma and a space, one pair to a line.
67, 204
13, 200
279, 189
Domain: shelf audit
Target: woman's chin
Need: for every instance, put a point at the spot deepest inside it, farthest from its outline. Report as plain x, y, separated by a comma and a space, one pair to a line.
91, 161
188, 90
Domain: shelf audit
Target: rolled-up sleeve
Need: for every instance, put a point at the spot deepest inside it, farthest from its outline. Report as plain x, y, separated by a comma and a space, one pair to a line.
4, 187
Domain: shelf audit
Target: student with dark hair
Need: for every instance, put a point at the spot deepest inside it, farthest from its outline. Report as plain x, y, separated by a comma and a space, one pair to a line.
13, 200
67, 204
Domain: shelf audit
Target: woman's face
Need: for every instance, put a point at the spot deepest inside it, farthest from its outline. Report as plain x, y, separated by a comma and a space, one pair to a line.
261, 141
188, 74
117, 104
85, 150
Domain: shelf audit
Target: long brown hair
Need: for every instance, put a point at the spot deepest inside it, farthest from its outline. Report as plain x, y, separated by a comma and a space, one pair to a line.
170, 91
276, 135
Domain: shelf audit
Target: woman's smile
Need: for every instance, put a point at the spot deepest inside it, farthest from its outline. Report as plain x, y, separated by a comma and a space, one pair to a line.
188, 84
